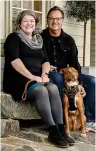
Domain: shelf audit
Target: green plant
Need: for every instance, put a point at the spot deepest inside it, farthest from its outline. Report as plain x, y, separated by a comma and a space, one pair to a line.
82, 11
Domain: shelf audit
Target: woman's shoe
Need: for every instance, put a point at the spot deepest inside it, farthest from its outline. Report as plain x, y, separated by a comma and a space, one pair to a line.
56, 138
69, 139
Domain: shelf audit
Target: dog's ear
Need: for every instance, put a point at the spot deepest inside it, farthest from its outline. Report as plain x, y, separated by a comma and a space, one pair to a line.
61, 71
75, 71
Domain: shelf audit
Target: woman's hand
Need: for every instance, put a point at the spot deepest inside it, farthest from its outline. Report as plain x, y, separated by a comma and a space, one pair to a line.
81, 90
37, 79
45, 78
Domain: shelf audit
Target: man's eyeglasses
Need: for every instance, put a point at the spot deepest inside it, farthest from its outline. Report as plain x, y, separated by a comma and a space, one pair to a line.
57, 19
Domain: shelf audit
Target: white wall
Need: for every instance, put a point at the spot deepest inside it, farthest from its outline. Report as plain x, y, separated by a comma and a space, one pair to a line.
76, 30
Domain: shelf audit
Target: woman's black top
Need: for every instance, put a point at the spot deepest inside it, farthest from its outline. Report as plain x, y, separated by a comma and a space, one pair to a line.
14, 82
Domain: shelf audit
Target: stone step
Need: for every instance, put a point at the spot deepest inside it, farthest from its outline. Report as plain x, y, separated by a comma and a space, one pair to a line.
17, 109
37, 133
12, 143
33, 136
9, 127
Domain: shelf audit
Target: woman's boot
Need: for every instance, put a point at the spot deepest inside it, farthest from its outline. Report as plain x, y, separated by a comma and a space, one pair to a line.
56, 138
69, 139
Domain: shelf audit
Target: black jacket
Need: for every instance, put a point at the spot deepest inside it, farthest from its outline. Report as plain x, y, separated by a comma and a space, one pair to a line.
61, 52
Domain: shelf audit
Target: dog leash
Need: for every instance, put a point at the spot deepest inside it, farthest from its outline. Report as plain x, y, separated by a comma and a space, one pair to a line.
24, 95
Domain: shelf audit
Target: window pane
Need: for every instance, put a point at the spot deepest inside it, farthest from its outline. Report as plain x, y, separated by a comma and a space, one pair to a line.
27, 4
16, 3
39, 25
15, 13
38, 5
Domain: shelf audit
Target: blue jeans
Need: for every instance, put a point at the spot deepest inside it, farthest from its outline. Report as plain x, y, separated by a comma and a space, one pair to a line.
89, 85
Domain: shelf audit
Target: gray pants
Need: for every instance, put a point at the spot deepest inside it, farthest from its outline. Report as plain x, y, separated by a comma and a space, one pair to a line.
48, 103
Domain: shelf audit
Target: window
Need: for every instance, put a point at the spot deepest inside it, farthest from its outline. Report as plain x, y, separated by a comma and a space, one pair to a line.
36, 6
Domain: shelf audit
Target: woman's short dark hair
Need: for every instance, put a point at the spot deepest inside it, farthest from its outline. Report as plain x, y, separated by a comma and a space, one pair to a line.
54, 9
22, 14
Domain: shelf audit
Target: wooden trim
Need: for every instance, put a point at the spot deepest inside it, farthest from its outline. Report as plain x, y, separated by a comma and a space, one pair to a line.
43, 15
6, 18
52, 4
11, 12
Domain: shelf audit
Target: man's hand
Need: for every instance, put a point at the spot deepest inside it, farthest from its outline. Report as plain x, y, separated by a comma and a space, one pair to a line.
81, 90
53, 68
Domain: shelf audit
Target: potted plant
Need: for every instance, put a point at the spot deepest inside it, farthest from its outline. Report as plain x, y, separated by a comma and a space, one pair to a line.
82, 11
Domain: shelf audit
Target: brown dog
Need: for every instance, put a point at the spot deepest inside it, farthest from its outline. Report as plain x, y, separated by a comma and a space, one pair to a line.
73, 102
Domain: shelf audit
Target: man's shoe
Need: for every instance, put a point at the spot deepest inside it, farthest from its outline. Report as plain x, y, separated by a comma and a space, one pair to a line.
69, 139
56, 138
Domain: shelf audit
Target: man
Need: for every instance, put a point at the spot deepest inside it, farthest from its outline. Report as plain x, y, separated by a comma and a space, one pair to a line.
62, 52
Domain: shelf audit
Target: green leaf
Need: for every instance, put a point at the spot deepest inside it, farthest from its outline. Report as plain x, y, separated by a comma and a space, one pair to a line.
81, 10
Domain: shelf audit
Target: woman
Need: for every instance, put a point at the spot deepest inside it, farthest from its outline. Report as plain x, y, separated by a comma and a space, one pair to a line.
26, 59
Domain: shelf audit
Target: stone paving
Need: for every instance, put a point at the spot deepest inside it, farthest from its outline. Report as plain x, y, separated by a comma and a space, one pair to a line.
35, 139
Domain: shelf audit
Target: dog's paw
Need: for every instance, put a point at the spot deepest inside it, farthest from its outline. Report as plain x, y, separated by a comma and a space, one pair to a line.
87, 130
83, 134
69, 135
68, 132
